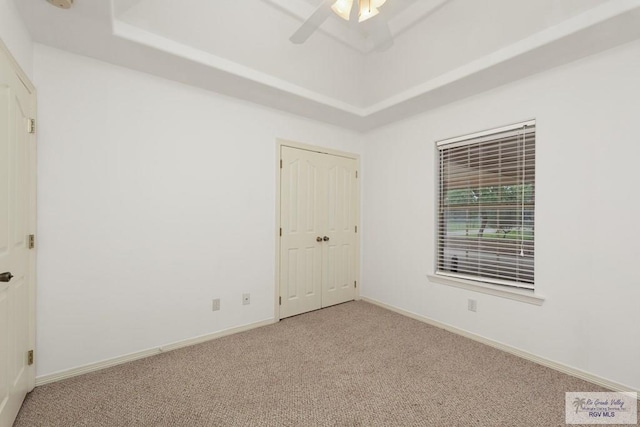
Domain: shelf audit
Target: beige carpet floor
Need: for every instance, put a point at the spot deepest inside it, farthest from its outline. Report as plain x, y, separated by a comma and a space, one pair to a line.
354, 364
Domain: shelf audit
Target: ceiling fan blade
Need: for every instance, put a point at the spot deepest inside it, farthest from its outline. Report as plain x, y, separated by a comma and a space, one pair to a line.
312, 23
354, 14
381, 34
355, 11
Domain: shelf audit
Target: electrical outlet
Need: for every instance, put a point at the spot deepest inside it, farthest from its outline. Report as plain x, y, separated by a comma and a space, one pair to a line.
215, 304
246, 299
472, 305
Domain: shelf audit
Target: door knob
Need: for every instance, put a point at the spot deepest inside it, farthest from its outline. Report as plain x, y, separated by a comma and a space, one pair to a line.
318, 239
5, 277
325, 238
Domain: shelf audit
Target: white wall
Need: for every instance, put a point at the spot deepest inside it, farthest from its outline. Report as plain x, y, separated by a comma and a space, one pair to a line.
15, 36
587, 213
154, 198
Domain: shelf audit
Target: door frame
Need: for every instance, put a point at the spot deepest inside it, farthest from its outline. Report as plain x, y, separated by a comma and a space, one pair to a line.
322, 150
31, 221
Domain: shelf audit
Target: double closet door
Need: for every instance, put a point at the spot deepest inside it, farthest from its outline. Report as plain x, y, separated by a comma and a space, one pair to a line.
318, 214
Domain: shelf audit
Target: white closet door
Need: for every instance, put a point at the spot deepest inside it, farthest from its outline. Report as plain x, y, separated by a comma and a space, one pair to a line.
15, 297
339, 251
318, 241
301, 193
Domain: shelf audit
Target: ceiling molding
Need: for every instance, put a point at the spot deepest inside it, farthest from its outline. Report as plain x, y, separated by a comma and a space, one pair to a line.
552, 47
134, 34
586, 26
592, 32
108, 39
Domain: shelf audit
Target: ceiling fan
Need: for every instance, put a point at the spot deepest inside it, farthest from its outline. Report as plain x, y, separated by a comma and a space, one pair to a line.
353, 11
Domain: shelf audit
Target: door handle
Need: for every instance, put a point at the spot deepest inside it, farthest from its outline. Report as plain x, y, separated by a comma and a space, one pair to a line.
325, 238
318, 239
5, 277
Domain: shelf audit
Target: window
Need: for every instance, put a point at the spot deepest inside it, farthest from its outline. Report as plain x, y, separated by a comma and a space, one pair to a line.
486, 206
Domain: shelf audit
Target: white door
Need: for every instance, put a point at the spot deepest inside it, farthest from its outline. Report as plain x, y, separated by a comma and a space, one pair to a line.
318, 235
339, 212
17, 375
302, 227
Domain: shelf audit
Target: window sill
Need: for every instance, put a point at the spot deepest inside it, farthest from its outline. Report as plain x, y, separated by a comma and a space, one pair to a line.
521, 295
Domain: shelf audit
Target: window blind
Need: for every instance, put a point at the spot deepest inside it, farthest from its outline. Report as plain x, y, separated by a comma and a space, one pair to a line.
486, 206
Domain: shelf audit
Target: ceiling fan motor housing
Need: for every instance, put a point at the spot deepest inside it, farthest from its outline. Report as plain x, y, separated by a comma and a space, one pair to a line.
63, 4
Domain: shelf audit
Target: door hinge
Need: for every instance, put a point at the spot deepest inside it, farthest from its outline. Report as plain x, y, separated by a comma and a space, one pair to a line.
280, 163
356, 174
32, 241
280, 300
31, 126
30, 357
355, 284
356, 228
280, 231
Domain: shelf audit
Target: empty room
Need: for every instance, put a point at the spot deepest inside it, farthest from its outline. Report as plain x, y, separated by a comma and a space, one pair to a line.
319, 212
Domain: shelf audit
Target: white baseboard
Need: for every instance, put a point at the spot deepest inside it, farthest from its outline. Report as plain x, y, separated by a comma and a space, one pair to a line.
92, 367
565, 369
603, 382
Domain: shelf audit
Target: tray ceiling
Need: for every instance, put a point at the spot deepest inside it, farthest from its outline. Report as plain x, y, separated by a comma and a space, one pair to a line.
444, 50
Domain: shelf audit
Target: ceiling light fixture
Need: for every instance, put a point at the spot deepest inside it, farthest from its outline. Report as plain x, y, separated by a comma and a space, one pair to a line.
366, 8
62, 4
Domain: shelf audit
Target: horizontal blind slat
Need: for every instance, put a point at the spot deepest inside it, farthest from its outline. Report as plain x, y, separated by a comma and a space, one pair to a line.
486, 206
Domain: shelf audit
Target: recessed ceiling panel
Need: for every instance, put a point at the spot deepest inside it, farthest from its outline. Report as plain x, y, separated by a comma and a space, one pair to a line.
443, 50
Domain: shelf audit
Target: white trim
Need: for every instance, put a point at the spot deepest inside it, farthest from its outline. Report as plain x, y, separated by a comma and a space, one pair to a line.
560, 367
516, 294
487, 132
471, 279
316, 149
143, 37
17, 68
92, 367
